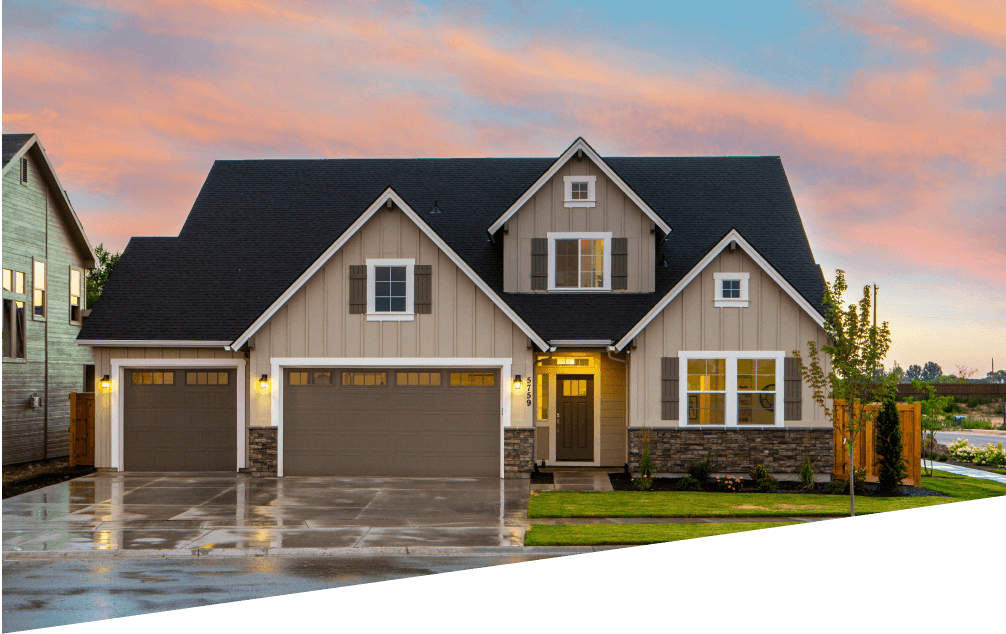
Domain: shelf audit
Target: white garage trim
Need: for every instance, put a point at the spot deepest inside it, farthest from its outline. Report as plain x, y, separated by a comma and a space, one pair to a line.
278, 364
118, 365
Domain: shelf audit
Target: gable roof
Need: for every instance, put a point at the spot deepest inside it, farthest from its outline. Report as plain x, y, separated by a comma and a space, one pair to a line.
258, 225
580, 145
17, 145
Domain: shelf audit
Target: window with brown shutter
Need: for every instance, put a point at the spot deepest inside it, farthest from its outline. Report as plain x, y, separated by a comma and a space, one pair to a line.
619, 264
357, 289
539, 264
793, 397
669, 395
424, 289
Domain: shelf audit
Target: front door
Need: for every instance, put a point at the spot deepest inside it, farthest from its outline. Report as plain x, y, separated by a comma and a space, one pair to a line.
574, 422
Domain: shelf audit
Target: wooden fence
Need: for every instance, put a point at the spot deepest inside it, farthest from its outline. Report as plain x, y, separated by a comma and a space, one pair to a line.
81, 428
994, 391
866, 442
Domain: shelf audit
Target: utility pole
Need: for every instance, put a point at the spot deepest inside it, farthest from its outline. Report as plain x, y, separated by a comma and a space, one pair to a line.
875, 305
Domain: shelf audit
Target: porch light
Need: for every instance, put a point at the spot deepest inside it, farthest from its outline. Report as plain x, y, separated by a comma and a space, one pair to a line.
106, 382
516, 383
263, 382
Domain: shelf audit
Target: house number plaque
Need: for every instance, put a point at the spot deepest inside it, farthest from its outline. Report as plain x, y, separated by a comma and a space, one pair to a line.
527, 392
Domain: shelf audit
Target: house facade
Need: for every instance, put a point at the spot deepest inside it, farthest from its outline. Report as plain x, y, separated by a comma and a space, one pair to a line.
466, 317
45, 256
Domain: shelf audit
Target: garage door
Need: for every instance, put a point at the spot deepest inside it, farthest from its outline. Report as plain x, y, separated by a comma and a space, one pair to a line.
180, 420
418, 423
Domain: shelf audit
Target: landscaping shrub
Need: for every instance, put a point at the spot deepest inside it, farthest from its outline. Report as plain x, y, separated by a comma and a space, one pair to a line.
837, 487
859, 477
689, 484
645, 479
759, 472
763, 480
941, 458
727, 484
807, 474
701, 471
999, 410
976, 423
975, 401
988, 455
889, 448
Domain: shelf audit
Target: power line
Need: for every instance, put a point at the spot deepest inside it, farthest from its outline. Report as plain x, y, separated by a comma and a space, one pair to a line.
994, 321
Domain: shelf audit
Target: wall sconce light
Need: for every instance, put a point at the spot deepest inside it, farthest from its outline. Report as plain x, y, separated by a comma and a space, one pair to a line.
263, 382
106, 382
516, 383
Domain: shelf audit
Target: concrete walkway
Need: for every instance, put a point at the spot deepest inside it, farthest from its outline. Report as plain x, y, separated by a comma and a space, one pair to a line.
964, 471
580, 480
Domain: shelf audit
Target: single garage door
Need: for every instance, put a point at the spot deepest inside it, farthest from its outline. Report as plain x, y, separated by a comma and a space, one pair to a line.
413, 423
180, 420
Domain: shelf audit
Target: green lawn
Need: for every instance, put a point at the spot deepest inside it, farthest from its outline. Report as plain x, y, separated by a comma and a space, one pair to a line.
632, 534
961, 487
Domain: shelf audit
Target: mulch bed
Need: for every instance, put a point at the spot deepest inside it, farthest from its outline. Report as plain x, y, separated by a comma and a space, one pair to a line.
30, 476
541, 477
623, 482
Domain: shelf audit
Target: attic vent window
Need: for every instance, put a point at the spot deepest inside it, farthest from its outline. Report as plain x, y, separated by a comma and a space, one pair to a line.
579, 191
731, 290
24, 170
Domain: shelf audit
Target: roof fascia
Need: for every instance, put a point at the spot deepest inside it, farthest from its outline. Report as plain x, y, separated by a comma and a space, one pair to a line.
580, 144
151, 343
388, 193
49, 172
732, 236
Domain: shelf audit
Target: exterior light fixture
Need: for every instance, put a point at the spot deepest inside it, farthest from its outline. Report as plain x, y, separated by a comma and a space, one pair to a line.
516, 383
263, 382
106, 382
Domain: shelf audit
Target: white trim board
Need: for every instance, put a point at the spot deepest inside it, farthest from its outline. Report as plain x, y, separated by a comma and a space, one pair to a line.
117, 404
580, 145
389, 194
734, 235
277, 365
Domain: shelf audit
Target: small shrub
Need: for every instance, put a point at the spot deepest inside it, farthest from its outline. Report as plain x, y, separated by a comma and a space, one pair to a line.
941, 458
701, 471
859, 477
768, 485
727, 484
988, 455
807, 474
646, 462
999, 409
836, 487
975, 423
759, 472
689, 484
764, 480
642, 483
953, 408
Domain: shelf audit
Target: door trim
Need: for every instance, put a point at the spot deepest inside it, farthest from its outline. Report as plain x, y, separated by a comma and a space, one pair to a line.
279, 364
117, 403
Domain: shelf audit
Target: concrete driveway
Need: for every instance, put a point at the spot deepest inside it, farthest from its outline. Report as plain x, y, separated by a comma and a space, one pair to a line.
194, 514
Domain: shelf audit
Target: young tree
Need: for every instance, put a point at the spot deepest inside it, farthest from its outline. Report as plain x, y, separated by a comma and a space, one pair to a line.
890, 451
97, 277
854, 350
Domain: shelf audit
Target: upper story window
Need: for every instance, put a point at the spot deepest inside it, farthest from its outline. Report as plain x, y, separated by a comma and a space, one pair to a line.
38, 296
75, 297
731, 290
579, 261
580, 191
390, 290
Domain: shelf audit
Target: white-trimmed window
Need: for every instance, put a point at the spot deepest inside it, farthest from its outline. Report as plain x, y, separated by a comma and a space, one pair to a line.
731, 389
579, 261
731, 290
76, 295
391, 290
579, 191
38, 303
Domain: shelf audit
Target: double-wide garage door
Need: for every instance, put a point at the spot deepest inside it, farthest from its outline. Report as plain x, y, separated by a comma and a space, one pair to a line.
388, 422
180, 419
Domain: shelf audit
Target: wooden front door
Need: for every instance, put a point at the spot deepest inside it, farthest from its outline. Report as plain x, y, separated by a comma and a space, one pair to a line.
574, 422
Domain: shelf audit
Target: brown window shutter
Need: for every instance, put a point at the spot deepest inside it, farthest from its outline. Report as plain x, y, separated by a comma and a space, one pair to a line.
423, 292
669, 388
793, 395
619, 264
539, 264
357, 289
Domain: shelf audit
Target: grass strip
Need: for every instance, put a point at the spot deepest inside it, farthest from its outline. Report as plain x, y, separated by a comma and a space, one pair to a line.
960, 487
703, 504
632, 534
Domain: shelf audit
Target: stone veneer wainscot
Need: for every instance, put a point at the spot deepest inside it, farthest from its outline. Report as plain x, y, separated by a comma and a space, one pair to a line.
518, 452
262, 451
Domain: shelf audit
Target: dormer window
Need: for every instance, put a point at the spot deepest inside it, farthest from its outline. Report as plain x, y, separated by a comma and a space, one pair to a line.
731, 290
579, 261
580, 191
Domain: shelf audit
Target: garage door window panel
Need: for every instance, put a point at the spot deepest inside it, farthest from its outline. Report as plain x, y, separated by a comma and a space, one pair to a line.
420, 379
153, 378
364, 379
473, 379
207, 378
309, 377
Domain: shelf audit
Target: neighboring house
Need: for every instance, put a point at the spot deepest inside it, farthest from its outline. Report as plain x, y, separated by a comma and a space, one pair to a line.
466, 317
45, 256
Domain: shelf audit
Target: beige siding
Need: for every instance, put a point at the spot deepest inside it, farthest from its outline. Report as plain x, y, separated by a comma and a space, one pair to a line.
544, 212
691, 321
316, 322
613, 394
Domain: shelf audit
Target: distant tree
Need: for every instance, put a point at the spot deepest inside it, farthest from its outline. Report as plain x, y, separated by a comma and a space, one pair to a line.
930, 371
890, 452
898, 373
914, 373
97, 276
996, 377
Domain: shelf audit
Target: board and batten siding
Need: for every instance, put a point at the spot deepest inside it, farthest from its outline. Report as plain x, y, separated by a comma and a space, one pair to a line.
544, 212
691, 321
34, 229
103, 401
315, 322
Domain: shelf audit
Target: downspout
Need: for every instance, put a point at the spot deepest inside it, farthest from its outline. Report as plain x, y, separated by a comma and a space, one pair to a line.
45, 330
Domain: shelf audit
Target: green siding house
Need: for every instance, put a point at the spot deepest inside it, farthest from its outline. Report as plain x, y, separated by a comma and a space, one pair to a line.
45, 256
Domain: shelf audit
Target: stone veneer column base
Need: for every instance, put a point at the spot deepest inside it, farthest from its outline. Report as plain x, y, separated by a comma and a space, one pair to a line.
736, 451
262, 451
518, 452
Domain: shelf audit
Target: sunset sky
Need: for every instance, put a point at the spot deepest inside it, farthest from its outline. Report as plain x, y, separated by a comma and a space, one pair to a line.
889, 115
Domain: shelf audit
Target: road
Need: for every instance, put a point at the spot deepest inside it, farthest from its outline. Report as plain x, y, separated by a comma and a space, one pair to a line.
975, 437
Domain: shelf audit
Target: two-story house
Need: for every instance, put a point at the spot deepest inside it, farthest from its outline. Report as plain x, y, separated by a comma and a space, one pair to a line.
45, 256
466, 317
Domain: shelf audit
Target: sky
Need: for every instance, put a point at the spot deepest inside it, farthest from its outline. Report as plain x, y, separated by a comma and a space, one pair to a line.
889, 115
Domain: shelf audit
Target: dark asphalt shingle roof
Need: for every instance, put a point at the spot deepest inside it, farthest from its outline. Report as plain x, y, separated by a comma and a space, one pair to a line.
257, 225
11, 144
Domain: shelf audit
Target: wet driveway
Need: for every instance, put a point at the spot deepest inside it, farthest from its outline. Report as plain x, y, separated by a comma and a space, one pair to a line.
204, 513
